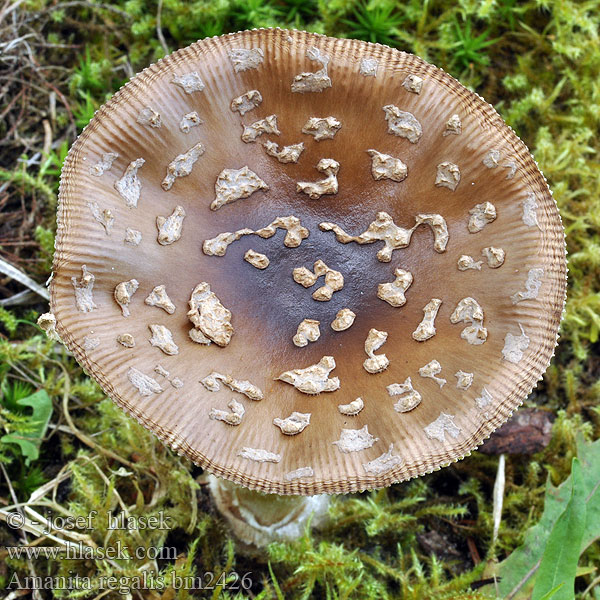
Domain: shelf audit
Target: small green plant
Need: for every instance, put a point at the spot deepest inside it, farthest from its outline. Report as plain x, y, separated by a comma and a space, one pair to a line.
91, 75
547, 561
467, 50
375, 22
255, 13
84, 109
25, 430
297, 12
8, 320
211, 28
52, 164
45, 238
508, 11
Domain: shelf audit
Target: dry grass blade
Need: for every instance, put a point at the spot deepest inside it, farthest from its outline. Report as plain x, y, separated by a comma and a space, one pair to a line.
7, 269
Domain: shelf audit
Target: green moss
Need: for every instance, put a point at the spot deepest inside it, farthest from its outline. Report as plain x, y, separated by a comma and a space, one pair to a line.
538, 63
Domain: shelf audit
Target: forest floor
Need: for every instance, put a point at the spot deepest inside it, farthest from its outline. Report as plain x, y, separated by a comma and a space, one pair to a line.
536, 62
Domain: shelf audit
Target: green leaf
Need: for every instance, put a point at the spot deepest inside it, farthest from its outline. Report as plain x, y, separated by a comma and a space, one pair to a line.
552, 592
29, 440
561, 555
518, 570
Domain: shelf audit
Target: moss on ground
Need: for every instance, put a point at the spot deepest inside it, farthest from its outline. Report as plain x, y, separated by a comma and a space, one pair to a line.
537, 62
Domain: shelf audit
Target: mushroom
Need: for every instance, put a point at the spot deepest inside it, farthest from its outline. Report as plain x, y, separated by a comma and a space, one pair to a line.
394, 237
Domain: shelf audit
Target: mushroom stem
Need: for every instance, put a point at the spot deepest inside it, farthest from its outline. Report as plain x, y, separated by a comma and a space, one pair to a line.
257, 519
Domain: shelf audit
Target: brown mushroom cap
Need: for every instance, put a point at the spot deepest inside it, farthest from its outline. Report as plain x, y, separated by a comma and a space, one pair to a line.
463, 144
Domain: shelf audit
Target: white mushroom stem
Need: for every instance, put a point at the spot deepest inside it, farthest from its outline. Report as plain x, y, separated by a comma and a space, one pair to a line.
259, 519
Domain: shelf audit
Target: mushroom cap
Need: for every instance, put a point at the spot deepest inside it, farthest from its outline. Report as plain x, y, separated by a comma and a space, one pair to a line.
380, 138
